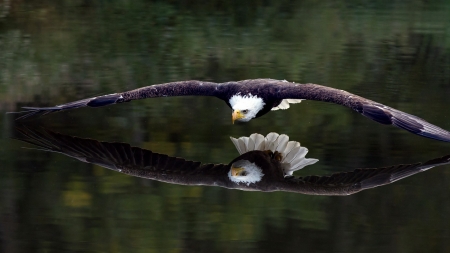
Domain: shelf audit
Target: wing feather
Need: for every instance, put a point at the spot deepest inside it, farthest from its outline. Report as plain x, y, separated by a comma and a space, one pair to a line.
411, 123
372, 110
129, 160
183, 88
346, 183
269, 89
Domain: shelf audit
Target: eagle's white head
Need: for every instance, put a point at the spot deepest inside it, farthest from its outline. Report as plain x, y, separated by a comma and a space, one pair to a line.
245, 107
244, 171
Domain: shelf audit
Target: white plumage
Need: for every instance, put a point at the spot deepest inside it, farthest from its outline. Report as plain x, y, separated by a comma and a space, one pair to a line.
249, 103
253, 173
293, 154
285, 104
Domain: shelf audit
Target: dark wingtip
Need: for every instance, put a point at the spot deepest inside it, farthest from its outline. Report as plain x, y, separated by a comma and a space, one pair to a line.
420, 127
387, 115
32, 112
439, 137
104, 100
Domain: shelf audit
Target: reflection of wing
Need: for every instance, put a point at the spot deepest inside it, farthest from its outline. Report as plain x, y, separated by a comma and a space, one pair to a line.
346, 183
129, 160
143, 163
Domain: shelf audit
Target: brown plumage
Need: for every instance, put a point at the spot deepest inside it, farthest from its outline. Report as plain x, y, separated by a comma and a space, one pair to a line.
133, 161
272, 92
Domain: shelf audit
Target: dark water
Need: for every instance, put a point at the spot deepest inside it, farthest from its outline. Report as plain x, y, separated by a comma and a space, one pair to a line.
53, 52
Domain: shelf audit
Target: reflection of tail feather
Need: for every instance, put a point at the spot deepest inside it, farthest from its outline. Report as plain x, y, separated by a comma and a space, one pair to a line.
92, 102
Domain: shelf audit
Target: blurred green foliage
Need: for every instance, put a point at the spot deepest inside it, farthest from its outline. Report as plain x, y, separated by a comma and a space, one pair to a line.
52, 52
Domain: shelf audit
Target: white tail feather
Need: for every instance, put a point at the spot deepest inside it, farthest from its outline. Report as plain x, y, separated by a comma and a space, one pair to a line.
259, 140
285, 104
293, 155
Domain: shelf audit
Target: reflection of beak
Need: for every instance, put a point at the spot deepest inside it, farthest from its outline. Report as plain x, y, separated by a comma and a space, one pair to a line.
237, 115
236, 171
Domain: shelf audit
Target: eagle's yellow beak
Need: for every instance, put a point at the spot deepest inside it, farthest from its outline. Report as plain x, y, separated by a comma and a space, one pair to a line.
237, 115
236, 171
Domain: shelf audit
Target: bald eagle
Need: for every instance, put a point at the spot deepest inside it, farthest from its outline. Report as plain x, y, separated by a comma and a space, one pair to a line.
264, 164
253, 98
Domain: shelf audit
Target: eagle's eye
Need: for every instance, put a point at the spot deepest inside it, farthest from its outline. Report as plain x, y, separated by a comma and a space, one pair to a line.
243, 174
244, 111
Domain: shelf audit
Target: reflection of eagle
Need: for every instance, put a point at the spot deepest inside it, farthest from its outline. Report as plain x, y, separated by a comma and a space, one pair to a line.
265, 164
253, 98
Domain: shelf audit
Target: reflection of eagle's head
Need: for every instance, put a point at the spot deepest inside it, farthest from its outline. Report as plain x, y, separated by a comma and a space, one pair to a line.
244, 171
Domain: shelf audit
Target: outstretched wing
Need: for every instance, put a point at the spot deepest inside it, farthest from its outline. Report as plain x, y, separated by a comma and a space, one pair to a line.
183, 88
372, 110
129, 160
272, 89
347, 183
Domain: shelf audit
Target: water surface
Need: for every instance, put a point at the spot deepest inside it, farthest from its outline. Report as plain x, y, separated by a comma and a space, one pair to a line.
53, 52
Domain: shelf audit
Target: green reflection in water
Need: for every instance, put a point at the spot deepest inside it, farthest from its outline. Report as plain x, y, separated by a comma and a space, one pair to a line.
55, 52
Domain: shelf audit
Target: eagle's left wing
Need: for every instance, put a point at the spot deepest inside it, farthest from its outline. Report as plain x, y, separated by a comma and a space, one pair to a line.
368, 108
